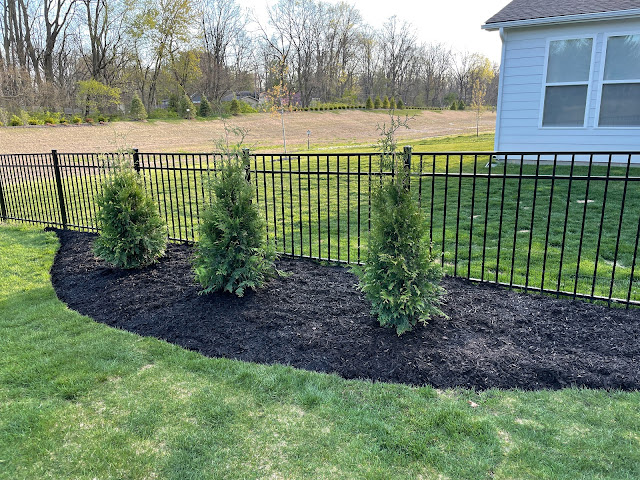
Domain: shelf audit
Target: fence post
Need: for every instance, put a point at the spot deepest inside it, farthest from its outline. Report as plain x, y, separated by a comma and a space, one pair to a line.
247, 164
56, 171
3, 207
136, 160
407, 167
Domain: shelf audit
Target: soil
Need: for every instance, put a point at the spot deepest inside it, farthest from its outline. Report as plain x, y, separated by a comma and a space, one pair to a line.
340, 127
316, 319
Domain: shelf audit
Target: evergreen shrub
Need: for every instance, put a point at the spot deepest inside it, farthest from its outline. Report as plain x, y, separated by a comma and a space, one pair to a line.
400, 104
385, 102
400, 277
137, 110
186, 109
204, 109
132, 234
232, 254
15, 121
392, 103
234, 107
377, 103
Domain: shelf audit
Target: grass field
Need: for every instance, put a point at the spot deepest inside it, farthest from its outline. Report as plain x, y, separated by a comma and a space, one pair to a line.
81, 400
494, 228
329, 128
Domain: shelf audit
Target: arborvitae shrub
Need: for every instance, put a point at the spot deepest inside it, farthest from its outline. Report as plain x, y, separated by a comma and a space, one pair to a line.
132, 234
232, 253
385, 102
400, 104
15, 121
137, 111
461, 105
186, 109
454, 106
400, 277
174, 103
377, 103
392, 103
204, 110
234, 107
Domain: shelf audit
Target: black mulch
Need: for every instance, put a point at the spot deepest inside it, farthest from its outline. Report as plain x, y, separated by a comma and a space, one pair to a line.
316, 319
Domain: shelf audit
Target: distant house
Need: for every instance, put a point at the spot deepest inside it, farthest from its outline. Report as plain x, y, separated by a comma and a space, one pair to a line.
569, 76
252, 98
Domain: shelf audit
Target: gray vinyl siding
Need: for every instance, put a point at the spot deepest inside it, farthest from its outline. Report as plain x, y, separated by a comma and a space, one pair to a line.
522, 80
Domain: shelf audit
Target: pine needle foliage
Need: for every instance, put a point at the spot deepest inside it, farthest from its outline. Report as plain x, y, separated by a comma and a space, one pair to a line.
400, 277
232, 253
377, 103
369, 104
400, 104
132, 234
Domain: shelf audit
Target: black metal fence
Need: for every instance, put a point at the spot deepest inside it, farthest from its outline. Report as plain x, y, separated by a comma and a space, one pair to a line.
566, 224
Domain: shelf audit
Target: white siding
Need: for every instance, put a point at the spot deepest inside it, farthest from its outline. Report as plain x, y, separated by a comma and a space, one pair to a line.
518, 128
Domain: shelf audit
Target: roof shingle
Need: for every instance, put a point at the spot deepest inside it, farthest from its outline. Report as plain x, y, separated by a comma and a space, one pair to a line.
532, 9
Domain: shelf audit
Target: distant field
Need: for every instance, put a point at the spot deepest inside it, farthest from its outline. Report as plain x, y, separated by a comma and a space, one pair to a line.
333, 128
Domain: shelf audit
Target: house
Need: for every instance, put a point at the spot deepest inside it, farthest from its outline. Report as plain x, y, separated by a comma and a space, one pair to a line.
569, 76
251, 98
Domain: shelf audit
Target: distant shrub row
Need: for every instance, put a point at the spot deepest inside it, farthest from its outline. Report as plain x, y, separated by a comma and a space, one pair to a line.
22, 118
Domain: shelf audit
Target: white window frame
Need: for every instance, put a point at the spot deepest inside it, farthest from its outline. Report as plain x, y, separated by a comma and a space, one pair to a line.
588, 83
603, 82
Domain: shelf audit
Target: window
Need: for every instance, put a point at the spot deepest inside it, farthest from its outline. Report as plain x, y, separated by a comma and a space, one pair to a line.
567, 82
620, 100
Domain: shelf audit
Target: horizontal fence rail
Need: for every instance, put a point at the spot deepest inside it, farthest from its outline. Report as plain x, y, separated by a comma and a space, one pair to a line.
565, 224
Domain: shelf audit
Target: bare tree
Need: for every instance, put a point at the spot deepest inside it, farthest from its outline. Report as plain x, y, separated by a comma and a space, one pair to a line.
222, 26
398, 43
56, 15
104, 22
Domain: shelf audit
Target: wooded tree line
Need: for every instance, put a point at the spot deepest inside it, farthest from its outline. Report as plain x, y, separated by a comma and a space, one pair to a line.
157, 48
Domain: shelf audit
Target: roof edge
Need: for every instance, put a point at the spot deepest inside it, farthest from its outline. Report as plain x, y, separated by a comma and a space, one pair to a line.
582, 17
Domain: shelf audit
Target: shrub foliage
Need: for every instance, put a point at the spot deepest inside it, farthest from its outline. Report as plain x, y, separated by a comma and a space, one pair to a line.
204, 109
132, 234
400, 277
232, 253
137, 110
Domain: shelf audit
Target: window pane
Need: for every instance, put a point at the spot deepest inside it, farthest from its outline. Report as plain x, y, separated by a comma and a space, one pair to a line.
623, 58
565, 106
620, 106
569, 60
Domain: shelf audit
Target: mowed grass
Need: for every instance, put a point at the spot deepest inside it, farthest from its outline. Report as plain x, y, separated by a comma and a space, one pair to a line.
547, 233
81, 400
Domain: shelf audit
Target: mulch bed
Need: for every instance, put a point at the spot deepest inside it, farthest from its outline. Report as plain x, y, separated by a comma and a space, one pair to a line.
316, 319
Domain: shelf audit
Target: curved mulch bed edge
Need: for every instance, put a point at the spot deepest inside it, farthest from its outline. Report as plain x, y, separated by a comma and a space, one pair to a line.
316, 319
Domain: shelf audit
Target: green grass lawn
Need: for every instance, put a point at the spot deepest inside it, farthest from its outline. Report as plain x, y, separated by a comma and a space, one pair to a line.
487, 228
81, 400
